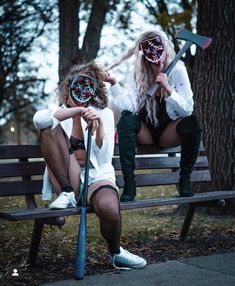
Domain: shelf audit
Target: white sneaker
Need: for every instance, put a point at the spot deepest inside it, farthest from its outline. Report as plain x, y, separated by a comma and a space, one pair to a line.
126, 260
65, 200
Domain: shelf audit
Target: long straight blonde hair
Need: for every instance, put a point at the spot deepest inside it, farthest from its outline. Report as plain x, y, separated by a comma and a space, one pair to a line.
143, 72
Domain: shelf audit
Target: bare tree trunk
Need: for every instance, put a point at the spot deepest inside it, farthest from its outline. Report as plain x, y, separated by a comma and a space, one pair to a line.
214, 89
68, 34
91, 43
69, 53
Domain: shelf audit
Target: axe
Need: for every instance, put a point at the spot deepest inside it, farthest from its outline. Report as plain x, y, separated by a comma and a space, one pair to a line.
190, 38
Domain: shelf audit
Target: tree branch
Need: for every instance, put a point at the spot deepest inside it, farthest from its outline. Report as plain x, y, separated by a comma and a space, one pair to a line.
91, 42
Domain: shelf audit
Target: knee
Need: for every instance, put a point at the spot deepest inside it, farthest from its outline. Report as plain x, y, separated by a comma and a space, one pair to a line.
189, 125
128, 122
110, 211
193, 121
43, 119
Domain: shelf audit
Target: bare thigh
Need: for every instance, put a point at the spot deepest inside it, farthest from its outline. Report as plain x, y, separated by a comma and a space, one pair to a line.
74, 173
144, 136
170, 137
96, 185
80, 156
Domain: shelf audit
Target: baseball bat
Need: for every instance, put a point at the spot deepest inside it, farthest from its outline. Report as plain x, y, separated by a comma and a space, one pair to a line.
80, 261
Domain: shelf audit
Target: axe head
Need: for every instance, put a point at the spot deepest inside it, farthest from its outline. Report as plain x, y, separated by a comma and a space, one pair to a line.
200, 41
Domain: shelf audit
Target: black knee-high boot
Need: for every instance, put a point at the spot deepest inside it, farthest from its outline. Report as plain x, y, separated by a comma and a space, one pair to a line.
190, 133
127, 128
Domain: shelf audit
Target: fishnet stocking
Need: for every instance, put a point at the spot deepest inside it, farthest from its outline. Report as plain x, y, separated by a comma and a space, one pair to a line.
55, 150
106, 205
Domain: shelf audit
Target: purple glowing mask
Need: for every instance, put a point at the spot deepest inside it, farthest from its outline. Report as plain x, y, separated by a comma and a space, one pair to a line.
152, 49
82, 88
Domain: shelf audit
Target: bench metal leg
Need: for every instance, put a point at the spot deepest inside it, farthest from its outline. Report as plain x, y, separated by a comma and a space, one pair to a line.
187, 221
35, 241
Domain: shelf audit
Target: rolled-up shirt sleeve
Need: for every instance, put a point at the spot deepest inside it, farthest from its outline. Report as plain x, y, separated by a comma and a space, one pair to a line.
105, 153
44, 118
123, 98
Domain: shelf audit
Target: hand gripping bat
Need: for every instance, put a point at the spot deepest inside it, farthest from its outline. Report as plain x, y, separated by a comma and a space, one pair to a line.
191, 38
80, 261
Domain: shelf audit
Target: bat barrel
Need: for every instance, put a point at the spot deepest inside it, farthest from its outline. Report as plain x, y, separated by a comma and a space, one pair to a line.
80, 261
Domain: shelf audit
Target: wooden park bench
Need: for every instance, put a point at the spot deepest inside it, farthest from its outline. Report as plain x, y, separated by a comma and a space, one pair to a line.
21, 169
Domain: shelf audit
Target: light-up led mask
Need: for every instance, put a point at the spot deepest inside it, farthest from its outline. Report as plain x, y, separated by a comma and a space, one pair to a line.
82, 88
152, 49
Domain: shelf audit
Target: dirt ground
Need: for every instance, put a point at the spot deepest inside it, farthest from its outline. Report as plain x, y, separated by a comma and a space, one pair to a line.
56, 261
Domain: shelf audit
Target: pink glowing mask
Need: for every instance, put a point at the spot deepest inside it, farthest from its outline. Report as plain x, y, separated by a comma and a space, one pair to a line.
152, 49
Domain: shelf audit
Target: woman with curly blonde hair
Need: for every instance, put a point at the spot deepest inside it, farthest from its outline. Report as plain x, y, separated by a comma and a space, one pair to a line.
164, 119
63, 137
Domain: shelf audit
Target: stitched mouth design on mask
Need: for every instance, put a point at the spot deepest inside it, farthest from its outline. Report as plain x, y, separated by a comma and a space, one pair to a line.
152, 49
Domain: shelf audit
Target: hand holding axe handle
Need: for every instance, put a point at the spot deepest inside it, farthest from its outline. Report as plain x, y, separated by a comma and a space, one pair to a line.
191, 38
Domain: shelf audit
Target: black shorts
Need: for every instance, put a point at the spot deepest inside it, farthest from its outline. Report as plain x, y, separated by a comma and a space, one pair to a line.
156, 131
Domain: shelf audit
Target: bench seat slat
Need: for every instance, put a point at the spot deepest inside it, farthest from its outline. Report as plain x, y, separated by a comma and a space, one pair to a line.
199, 197
39, 213
167, 178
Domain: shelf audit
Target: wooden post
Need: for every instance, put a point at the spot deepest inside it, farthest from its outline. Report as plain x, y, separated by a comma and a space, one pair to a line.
187, 221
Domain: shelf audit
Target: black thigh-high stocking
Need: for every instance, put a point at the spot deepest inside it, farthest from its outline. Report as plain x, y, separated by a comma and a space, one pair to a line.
106, 205
55, 150
189, 131
128, 127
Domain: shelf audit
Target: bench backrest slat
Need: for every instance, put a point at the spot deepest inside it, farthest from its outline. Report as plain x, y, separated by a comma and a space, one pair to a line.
20, 188
20, 151
161, 163
22, 167
168, 178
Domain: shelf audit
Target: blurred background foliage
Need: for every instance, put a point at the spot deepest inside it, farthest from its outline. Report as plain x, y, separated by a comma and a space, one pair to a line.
72, 32
40, 40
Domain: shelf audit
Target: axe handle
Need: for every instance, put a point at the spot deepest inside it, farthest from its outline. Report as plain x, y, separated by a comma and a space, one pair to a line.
151, 91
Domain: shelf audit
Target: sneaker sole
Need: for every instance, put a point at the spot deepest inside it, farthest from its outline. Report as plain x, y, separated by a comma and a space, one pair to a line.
60, 208
138, 266
134, 266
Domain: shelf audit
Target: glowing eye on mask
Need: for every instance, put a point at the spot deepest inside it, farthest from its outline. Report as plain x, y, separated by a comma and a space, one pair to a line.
152, 49
82, 88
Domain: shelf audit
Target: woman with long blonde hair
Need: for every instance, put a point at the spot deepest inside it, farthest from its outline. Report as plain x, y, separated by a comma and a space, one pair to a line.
164, 119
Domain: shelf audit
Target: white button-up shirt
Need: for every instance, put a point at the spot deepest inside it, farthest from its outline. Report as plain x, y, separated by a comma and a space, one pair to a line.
100, 158
178, 104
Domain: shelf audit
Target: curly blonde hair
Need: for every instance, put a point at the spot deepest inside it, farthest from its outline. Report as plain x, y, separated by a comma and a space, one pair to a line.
143, 72
93, 69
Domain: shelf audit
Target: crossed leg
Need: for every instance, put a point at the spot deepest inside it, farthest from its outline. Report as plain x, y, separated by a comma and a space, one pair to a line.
63, 168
